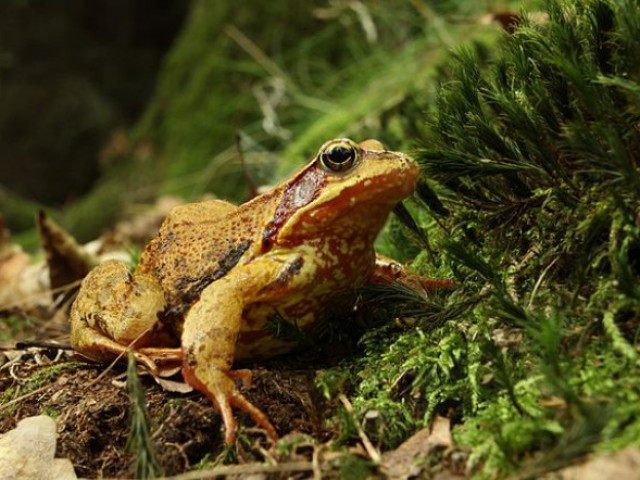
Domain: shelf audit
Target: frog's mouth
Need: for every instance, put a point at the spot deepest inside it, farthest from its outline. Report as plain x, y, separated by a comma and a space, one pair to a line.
389, 186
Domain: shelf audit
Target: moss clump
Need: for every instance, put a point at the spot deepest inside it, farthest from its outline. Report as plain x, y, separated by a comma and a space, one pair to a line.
532, 191
412, 378
535, 157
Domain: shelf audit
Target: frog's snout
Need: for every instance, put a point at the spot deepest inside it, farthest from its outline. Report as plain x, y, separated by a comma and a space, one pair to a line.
408, 173
397, 180
412, 167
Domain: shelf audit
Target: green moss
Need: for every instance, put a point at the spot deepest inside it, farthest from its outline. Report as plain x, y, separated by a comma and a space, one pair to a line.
401, 383
534, 165
353, 467
51, 412
8, 395
48, 374
12, 326
531, 205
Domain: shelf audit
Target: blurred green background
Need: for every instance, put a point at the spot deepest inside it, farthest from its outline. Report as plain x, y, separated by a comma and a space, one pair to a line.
105, 104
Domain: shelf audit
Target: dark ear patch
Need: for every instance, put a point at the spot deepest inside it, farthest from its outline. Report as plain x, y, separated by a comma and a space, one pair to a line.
301, 191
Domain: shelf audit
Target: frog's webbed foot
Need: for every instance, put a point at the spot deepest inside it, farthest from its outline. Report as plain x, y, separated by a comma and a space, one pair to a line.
96, 346
224, 394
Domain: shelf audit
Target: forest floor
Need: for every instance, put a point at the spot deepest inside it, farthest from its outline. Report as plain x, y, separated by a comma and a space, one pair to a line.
91, 406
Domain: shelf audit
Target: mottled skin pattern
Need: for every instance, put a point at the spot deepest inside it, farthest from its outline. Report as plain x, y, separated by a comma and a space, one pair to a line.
215, 275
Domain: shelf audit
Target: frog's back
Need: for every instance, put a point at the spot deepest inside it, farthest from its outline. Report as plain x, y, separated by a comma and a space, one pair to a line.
197, 244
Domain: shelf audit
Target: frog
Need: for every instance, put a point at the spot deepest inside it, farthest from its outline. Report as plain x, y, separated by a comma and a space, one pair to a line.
212, 282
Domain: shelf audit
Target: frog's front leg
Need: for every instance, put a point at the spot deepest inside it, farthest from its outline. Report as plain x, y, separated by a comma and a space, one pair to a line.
387, 270
211, 330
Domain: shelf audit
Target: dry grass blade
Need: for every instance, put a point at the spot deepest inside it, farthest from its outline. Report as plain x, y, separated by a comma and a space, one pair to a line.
139, 441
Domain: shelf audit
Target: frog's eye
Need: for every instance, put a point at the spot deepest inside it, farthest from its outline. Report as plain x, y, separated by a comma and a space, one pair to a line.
339, 156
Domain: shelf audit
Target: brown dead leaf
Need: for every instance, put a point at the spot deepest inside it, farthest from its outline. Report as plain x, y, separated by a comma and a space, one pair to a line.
23, 287
553, 402
163, 379
404, 461
68, 261
510, 21
27, 451
173, 385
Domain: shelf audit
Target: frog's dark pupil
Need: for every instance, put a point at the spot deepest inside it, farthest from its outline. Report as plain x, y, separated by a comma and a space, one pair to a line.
340, 154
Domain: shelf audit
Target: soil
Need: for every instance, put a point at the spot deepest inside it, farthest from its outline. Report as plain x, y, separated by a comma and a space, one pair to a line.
91, 407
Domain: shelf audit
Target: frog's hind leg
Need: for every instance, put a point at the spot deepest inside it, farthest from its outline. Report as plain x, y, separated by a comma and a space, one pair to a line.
114, 312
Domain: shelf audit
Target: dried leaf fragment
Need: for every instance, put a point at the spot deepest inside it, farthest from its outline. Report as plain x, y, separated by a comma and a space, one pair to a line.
68, 261
23, 287
619, 465
27, 451
404, 461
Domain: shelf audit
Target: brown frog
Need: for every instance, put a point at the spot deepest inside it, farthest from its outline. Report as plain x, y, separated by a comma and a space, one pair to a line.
216, 275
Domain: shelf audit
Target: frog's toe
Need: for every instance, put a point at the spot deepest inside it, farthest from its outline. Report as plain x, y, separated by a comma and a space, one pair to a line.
222, 402
223, 392
229, 396
244, 375
143, 359
239, 401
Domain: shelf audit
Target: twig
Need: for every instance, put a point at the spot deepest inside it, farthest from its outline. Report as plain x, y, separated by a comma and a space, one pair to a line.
180, 449
42, 344
315, 461
118, 358
368, 446
240, 470
106, 370
274, 70
266, 455
251, 185
168, 419
22, 397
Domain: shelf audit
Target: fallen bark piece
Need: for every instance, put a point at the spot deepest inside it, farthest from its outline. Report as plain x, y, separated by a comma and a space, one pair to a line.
27, 451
